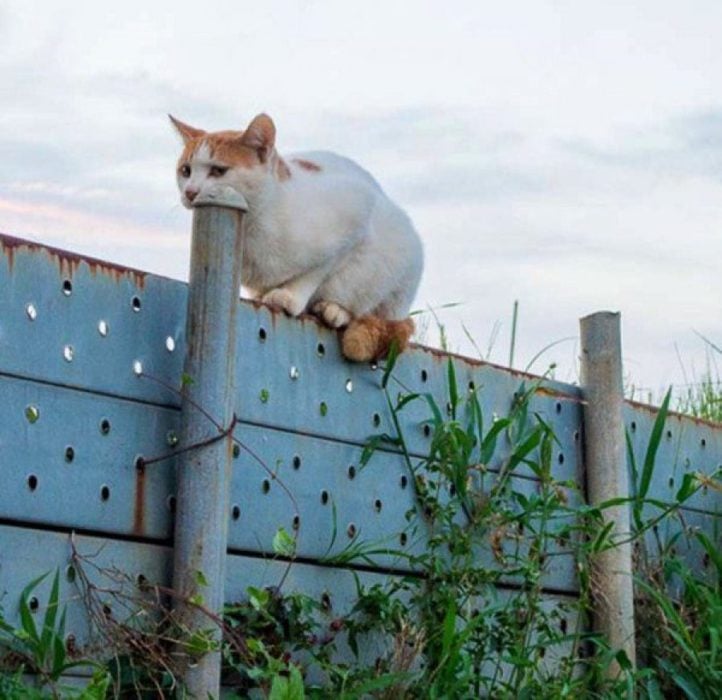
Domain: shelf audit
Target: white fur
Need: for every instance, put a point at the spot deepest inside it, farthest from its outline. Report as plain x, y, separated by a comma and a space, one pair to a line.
329, 240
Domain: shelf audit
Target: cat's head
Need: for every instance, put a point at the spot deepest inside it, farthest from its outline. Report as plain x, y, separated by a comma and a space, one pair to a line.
245, 160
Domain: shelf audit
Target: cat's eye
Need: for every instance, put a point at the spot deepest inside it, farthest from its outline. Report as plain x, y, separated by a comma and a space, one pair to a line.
185, 170
217, 171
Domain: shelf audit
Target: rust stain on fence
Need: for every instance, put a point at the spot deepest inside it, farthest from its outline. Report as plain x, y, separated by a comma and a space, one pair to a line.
680, 417
67, 262
139, 508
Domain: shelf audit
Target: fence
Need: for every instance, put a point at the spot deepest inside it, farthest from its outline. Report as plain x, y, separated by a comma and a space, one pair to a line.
91, 365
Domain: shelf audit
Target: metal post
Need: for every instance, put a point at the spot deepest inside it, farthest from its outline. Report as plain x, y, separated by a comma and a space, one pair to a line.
607, 478
203, 479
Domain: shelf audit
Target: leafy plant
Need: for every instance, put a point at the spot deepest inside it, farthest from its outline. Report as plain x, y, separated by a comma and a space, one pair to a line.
41, 651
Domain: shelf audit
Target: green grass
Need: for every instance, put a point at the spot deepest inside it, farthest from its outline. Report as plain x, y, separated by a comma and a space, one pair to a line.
475, 620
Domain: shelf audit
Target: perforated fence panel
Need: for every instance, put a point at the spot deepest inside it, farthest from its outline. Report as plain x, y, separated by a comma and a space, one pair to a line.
91, 362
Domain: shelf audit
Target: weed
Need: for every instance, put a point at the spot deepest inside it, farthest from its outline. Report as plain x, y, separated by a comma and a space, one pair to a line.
472, 616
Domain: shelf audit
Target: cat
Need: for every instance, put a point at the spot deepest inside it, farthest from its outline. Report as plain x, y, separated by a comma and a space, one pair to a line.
320, 234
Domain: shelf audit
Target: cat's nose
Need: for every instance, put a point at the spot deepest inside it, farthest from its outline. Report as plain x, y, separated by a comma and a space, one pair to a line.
191, 193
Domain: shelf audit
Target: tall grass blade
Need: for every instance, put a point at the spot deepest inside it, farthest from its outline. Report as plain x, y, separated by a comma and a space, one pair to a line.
645, 478
453, 391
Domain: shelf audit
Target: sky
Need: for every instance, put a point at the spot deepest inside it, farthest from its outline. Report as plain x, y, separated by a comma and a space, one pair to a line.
565, 154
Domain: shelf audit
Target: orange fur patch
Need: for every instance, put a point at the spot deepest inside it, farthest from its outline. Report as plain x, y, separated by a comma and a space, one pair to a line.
224, 146
370, 337
227, 147
307, 165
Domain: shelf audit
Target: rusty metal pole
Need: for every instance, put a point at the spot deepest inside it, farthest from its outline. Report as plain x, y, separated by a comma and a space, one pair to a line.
203, 477
607, 477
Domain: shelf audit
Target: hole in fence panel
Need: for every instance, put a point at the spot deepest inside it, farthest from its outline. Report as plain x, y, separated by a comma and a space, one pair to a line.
171, 503
670, 482
404, 481
376, 420
32, 414
103, 328
703, 442
426, 430
139, 463
170, 343
69, 454
264, 395
104, 426
296, 462
236, 450
378, 505
294, 372
633, 426
70, 573
67, 287
351, 472
142, 582
669, 435
324, 497
32, 482
265, 486
560, 458
563, 625
262, 335
135, 303
424, 375
323, 408
172, 439
576, 436
236, 512
320, 349
104, 493
325, 601
403, 539
33, 604
137, 368
296, 522
705, 560
351, 530
31, 311
558, 407
68, 353
348, 386
472, 386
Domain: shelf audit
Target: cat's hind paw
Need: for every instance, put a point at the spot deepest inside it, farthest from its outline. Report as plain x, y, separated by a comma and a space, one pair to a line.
332, 314
284, 299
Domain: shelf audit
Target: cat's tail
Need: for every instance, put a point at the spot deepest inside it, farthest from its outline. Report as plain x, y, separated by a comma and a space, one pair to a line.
370, 338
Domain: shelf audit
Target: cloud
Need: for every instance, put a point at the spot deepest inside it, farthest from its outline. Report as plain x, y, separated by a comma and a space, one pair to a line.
689, 145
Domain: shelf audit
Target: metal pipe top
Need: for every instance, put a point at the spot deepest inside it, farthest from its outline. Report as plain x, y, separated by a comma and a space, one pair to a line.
220, 196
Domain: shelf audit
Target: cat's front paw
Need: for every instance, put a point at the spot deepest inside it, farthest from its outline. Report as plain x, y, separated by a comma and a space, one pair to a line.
332, 314
284, 299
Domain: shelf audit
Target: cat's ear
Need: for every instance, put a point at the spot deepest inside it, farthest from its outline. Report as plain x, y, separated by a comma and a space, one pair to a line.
188, 133
261, 135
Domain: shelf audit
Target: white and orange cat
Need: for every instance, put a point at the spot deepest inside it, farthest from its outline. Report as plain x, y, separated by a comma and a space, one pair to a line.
320, 234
